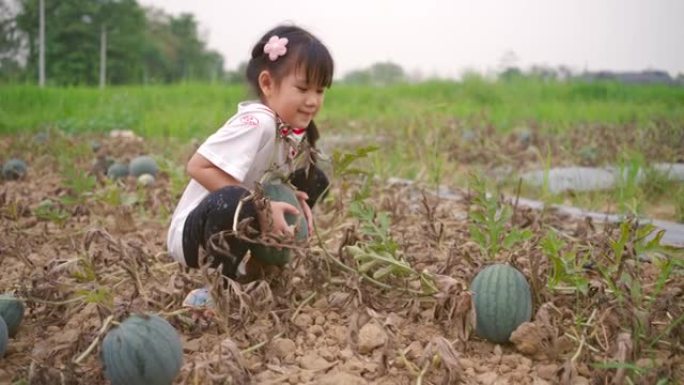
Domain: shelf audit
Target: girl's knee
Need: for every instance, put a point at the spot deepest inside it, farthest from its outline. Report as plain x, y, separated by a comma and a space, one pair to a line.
230, 193
313, 182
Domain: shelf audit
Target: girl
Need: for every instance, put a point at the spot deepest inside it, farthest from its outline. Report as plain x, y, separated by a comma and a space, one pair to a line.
289, 71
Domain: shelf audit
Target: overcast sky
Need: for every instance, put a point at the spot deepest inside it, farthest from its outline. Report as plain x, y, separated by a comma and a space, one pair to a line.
446, 37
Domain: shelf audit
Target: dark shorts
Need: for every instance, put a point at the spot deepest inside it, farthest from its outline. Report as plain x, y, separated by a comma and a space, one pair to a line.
216, 211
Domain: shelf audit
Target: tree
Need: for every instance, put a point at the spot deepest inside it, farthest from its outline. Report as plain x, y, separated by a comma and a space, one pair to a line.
11, 43
379, 74
123, 22
175, 52
73, 35
357, 77
387, 73
237, 76
87, 39
511, 73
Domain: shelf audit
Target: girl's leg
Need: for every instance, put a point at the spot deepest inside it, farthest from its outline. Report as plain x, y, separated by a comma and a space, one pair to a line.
314, 183
215, 214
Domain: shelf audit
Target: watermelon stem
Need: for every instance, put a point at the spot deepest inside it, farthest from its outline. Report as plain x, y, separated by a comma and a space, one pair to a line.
260, 344
301, 305
103, 330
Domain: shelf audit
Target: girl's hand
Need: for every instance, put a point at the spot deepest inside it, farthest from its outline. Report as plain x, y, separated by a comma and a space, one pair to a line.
279, 226
302, 197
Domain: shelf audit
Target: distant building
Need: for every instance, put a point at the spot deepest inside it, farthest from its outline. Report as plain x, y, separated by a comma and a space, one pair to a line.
643, 77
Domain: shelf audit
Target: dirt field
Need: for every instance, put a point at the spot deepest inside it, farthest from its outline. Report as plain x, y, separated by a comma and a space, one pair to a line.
87, 258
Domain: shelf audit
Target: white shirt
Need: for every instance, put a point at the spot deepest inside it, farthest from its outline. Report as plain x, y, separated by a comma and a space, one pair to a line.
245, 148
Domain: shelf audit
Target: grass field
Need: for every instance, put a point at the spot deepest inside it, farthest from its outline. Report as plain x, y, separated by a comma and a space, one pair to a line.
435, 132
190, 110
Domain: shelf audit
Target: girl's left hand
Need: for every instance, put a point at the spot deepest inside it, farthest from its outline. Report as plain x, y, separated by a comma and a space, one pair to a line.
308, 215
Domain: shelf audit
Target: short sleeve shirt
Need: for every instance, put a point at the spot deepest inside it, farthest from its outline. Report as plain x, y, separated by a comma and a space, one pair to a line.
245, 148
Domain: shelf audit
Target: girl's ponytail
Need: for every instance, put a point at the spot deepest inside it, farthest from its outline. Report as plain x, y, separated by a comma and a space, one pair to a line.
312, 134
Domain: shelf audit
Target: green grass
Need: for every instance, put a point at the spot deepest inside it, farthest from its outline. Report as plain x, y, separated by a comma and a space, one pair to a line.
182, 111
195, 110
423, 125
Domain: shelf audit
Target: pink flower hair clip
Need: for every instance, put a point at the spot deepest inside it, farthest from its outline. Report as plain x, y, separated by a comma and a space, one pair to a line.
275, 47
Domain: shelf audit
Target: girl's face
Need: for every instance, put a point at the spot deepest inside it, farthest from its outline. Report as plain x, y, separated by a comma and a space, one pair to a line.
295, 101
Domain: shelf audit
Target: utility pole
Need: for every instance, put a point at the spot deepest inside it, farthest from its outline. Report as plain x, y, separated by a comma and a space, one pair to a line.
103, 56
41, 45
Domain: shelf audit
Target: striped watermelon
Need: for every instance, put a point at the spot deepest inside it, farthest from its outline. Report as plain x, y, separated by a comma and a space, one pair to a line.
143, 350
12, 311
282, 192
502, 301
143, 165
3, 337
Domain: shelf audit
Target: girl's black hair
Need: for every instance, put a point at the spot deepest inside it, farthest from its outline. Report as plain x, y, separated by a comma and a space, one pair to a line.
304, 50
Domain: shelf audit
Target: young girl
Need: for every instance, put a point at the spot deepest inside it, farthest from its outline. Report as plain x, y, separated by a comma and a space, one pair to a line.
289, 71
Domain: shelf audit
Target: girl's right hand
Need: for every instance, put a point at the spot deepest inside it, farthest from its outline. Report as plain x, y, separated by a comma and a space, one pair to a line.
278, 225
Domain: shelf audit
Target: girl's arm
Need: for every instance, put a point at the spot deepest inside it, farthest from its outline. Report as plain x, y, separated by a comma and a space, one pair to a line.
213, 178
207, 174
302, 197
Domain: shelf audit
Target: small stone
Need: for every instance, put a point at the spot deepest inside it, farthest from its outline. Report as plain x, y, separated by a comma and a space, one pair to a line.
354, 365
528, 338
283, 347
327, 354
510, 359
346, 354
192, 345
466, 362
333, 316
321, 303
293, 378
320, 320
547, 372
427, 315
315, 314
414, 350
5, 377
313, 361
539, 381
316, 330
303, 320
341, 378
487, 378
339, 333
526, 363
371, 336
305, 377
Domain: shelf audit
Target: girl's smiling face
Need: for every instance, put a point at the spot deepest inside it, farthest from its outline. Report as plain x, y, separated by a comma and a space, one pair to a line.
294, 99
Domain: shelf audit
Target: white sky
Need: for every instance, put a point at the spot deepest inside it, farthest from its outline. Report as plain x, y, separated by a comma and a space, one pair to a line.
446, 37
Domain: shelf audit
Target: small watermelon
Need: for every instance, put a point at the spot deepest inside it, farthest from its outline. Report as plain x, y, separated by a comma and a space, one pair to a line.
142, 350
281, 192
95, 146
41, 138
14, 169
12, 311
117, 170
143, 165
502, 301
4, 338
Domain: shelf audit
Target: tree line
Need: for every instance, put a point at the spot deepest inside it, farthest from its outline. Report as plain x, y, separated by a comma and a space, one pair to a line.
142, 45
89, 42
